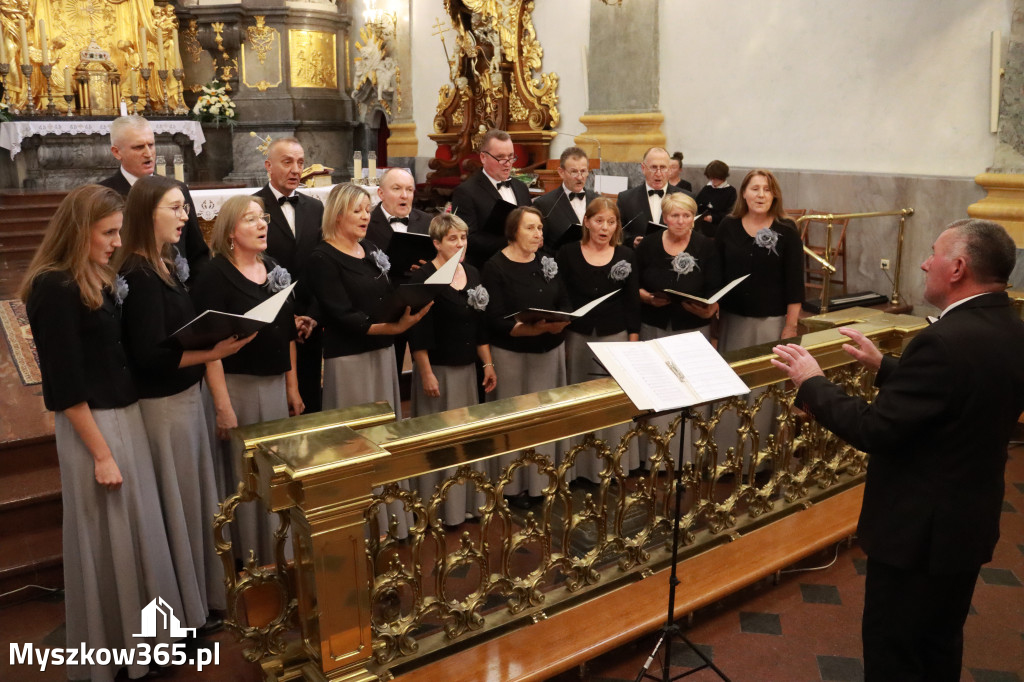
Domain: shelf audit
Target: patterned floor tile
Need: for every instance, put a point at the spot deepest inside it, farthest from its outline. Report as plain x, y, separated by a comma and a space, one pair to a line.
861, 566
840, 669
760, 623
685, 657
999, 576
820, 594
1007, 507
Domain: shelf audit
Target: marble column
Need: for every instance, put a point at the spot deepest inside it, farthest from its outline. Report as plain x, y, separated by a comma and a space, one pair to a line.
623, 85
1004, 181
403, 143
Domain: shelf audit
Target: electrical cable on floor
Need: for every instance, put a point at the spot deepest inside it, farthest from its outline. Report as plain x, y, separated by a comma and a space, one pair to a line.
815, 568
25, 587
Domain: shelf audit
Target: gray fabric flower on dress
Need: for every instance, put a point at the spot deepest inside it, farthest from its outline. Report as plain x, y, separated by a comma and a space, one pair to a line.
120, 289
278, 279
767, 238
620, 270
181, 267
684, 263
478, 297
382, 261
549, 267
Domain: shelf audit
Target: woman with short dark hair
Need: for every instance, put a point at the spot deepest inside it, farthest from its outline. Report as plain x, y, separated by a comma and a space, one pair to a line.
716, 199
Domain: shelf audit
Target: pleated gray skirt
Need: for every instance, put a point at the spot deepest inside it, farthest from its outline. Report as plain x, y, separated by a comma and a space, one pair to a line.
738, 331
581, 365
648, 332
255, 399
183, 460
518, 374
458, 389
116, 556
365, 378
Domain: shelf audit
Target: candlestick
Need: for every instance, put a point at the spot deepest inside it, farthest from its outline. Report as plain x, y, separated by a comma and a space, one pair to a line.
69, 99
143, 51
371, 158
26, 70
179, 74
135, 103
43, 43
5, 70
145, 73
47, 71
24, 40
357, 167
162, 73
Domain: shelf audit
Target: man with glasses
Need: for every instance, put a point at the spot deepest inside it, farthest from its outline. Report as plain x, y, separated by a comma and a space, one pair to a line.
642, 204
566, 204
477, 197
292, 234
133, 144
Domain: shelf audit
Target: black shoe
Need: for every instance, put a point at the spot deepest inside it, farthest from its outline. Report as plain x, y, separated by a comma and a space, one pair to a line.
213, 624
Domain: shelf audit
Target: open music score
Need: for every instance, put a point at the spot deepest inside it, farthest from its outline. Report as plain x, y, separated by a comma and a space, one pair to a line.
670, 373
714, 297
213, 326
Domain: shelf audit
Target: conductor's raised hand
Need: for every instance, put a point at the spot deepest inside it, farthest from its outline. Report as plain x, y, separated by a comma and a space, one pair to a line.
865, 352
796, 363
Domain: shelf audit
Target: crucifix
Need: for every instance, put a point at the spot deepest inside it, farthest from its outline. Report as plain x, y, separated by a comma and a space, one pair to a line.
440, 30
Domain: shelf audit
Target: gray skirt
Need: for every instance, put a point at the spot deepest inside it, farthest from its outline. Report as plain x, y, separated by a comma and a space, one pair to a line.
458, 389
737, 332
116, 556
254, 399
518, 374
183, 460
365, 378
581, 365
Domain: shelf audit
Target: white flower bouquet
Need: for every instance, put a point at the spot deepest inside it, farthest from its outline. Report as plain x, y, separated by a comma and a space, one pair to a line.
214, 106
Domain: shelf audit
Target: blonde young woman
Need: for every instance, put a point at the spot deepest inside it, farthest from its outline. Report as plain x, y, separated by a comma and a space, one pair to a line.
116, 553
445, 347
168, 381
597, 265
258, 383
352, 284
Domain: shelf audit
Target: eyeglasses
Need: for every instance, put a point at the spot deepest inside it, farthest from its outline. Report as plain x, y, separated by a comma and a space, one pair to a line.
576, 173
503, 159
178, 210
254, 218
656, 169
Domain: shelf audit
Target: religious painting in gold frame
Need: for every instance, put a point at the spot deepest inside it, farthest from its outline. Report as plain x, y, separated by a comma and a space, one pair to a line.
261, 56
313, 59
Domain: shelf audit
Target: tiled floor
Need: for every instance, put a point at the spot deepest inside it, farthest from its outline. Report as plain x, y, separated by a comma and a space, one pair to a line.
807, 627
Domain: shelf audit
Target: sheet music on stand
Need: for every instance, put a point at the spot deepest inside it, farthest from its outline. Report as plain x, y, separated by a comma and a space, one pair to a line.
669, 373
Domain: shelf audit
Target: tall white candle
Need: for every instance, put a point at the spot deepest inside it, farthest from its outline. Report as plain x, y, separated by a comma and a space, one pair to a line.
42, 42
24, 40
357, 167
176, 57
67, 80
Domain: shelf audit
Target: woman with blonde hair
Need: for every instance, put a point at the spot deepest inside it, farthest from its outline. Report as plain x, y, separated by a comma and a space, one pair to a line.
259, 382
352, 283
116, 554
168, 381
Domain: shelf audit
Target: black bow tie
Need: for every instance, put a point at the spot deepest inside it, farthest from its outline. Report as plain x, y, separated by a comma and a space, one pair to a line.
293, 200
396, 219
577, 195
659, 192
504, 183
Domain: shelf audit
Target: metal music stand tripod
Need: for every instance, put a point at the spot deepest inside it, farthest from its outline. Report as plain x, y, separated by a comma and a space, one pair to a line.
670, 629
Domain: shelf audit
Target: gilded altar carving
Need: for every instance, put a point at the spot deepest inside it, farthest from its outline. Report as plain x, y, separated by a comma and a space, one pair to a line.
377, 76
495, 79
313, 59
261, 37
265, 71
190, 39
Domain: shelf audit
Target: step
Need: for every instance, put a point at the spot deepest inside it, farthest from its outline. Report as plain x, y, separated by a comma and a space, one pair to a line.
33, 538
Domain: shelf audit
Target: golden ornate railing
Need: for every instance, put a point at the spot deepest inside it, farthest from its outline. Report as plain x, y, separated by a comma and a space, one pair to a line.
356, 604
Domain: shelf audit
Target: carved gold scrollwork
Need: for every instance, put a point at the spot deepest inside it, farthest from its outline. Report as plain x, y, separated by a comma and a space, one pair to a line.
261, 37
190, 38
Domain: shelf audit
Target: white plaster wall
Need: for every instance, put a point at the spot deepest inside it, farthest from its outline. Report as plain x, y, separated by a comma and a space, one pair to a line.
563, 29
869, 86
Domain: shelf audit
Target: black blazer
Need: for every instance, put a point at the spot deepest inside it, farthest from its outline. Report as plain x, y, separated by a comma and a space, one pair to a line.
937, 433
379, 231
558, 213
292, 251
635, 211
192, 244
473, 201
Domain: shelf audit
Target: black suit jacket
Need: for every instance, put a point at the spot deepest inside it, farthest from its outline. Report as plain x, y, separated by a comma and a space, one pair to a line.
292, 251
473, 201
558, 213
192, 245
683, 185
379, 231
635, 211
937, 434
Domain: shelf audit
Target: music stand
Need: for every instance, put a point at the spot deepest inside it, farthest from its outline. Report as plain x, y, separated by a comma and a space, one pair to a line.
670, 629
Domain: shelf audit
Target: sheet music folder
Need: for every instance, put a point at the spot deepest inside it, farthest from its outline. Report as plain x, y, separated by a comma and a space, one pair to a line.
714, 298
531, 315
669, 373
408, 248
421, 293
572, 234
495, 223
213, 326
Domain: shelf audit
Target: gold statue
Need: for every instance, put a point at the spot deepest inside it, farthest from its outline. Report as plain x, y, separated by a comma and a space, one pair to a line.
10, 12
